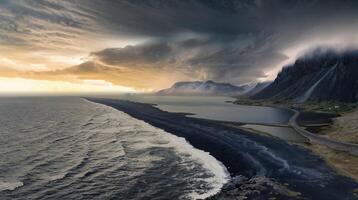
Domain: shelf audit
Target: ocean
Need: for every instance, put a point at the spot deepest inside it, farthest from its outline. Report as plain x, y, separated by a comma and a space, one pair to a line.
70, 148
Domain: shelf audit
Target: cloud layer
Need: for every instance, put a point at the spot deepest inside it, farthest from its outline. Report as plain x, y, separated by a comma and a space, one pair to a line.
134, 42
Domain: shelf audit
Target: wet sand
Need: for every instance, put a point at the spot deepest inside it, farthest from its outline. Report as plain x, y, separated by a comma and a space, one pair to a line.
248, 154
284, 133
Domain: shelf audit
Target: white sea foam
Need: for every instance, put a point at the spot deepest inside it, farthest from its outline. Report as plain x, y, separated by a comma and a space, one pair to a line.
10, 185
219, 174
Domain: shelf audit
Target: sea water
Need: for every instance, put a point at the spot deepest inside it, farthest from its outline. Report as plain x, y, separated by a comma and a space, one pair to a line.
70, 148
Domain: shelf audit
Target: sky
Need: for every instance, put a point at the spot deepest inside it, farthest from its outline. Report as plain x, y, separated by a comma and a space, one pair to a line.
147, 45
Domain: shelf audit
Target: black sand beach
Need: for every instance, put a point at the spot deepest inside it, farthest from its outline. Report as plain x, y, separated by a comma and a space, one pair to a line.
248, 154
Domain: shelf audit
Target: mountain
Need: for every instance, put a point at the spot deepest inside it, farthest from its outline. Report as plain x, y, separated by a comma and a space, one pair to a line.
202, 88
257, 87
321, 75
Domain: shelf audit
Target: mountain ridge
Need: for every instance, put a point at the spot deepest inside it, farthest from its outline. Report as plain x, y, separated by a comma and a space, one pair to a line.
202, 88
321, 75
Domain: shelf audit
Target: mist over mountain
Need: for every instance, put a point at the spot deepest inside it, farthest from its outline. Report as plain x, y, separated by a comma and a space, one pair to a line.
322, 74
203, 88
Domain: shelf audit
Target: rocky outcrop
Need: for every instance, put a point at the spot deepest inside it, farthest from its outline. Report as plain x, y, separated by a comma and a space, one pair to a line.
257, 187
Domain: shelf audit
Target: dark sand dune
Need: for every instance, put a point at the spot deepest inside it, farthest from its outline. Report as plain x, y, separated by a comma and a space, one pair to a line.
248, 154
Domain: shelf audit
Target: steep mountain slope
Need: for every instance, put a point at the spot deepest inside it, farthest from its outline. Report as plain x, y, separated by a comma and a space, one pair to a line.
202, 88
257, 88
322, 75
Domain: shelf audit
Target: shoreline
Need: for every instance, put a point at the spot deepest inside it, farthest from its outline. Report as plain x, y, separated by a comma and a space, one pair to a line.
339, 154
248, 155
317, 139
183, 147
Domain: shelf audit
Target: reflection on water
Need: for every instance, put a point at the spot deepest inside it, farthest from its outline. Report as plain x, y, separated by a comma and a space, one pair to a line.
215, 108
285, 133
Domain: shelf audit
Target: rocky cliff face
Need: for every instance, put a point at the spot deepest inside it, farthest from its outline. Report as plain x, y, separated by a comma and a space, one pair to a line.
202, 88
322, 75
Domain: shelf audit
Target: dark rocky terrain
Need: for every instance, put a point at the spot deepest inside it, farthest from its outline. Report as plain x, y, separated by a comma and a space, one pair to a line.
320, 75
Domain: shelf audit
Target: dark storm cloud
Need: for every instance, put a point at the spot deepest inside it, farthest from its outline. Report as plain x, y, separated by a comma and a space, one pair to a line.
225, 40
234, 41
220, 18
141, 54
171, 18
240, 60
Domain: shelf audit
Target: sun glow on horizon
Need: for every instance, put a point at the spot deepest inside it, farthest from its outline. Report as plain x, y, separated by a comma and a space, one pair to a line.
22, 85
